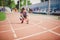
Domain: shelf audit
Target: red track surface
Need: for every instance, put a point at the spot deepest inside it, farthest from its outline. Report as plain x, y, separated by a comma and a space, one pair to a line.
40, 27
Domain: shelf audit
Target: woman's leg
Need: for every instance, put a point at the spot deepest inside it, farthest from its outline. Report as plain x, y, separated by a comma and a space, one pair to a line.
22, 20
27, 20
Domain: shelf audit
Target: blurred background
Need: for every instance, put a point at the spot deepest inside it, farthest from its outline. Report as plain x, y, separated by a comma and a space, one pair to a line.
50, 7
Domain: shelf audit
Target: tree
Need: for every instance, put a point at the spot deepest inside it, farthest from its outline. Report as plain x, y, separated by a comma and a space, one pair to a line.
12, 4
9, 3
29, 3
2, 2
22, 3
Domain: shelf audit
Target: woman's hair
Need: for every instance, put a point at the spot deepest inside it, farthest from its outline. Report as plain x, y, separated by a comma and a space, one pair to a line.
22, 10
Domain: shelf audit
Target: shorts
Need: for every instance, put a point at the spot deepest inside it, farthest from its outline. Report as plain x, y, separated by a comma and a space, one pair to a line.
25, 16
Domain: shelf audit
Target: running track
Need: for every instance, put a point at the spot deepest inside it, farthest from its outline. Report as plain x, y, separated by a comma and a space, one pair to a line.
40, 27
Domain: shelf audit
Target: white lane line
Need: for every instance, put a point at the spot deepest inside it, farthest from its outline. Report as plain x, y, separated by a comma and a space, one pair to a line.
24, 28
18, 28
14, 34
54, 32
46, 30
5, 31
55, 28
33, 35
51, 30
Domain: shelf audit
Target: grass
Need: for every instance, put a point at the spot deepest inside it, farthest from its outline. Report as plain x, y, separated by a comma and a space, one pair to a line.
2, 16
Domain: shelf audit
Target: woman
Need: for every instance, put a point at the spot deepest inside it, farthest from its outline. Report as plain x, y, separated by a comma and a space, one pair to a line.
23, 15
